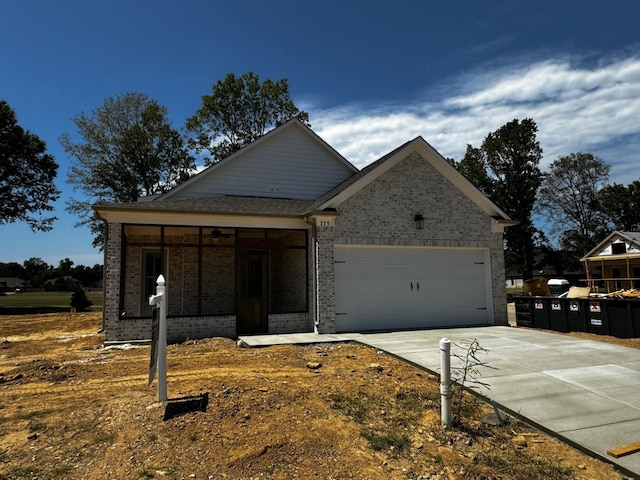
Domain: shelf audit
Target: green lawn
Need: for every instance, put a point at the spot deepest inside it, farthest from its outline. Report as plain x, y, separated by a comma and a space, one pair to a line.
32, 302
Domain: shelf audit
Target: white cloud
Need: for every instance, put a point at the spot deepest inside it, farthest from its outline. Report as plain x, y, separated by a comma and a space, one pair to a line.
594, 109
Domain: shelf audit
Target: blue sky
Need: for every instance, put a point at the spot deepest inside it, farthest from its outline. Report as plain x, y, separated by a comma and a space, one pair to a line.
372, 75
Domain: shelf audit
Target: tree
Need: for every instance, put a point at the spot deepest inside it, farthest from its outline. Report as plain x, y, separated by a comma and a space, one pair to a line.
512, 156
240, 110
621, 206
65, 267
27, 174
569, 200
474, 167
128, 150
12, 269
37, 271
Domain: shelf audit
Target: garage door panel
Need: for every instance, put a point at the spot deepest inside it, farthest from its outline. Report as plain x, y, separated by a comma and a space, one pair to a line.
399, 288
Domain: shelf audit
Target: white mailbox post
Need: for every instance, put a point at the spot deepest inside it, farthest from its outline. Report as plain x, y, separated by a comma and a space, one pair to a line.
159, 339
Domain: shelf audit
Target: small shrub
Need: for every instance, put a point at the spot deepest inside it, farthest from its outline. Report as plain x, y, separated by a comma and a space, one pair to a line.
80, 301
467, 376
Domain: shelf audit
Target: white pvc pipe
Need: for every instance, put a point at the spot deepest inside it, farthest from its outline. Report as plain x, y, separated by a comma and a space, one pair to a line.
445, 382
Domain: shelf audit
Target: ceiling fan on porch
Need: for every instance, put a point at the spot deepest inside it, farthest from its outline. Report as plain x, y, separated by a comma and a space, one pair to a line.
216, 234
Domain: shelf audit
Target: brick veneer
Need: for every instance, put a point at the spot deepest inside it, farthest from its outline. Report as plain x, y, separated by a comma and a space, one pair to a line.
382, 214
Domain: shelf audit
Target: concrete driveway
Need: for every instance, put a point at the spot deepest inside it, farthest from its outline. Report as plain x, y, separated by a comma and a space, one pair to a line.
584, 392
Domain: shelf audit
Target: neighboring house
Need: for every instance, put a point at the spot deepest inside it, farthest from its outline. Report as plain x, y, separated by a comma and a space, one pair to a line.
12, 284
614, 264
287, 236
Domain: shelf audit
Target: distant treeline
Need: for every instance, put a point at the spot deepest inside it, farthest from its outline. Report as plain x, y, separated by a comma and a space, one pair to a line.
36, 273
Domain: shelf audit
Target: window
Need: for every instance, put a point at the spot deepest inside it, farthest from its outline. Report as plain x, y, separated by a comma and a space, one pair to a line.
618, 248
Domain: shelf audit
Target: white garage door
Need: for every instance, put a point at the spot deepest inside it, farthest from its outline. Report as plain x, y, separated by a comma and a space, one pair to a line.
387, 288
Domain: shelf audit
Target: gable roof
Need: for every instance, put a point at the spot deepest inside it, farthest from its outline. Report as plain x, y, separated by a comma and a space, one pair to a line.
630, 238
261, 157
368, 174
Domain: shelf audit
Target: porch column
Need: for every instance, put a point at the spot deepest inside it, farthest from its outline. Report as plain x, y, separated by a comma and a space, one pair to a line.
112, 266
325, 280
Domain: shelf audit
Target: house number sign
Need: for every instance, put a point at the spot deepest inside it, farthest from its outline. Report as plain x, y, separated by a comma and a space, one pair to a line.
329, 222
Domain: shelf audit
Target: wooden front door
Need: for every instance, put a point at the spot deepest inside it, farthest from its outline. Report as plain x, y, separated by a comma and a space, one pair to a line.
251, 293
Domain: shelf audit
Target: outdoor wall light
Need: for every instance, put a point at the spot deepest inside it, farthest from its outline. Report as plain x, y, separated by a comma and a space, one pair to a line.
419, 219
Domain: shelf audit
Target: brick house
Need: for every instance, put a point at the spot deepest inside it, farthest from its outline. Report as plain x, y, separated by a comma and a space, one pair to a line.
287, 236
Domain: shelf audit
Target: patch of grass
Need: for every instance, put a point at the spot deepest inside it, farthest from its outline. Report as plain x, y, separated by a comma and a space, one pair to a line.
416, 399
146, 473
393, 441
61, 471
37, 426
22, 472
46, 302
101, 436
551, 471
353, 407
493, 460
34, 414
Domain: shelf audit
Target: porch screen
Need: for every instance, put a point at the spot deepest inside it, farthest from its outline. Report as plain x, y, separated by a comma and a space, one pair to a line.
289, 280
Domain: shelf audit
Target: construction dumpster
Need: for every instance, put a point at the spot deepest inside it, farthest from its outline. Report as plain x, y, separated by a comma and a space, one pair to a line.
524, 306
597, 319
619, 314
558, 314
635, 316
540, 312
576, 318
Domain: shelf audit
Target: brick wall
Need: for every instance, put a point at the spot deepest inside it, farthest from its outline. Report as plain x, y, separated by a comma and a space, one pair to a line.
382, 214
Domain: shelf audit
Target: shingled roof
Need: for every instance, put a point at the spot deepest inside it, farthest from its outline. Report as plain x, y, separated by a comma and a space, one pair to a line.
230, 205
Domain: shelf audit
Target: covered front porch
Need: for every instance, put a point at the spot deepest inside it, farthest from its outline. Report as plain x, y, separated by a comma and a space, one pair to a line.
221, 280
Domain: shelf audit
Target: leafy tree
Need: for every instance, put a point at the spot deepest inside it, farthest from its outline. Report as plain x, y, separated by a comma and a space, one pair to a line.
512, 155
569, 200
128, 150
87, 276
474, 166
27, 174
12, 269
240, 110
621, 206
37, 271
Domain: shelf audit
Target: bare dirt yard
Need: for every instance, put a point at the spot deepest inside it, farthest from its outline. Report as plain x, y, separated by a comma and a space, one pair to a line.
72, 409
